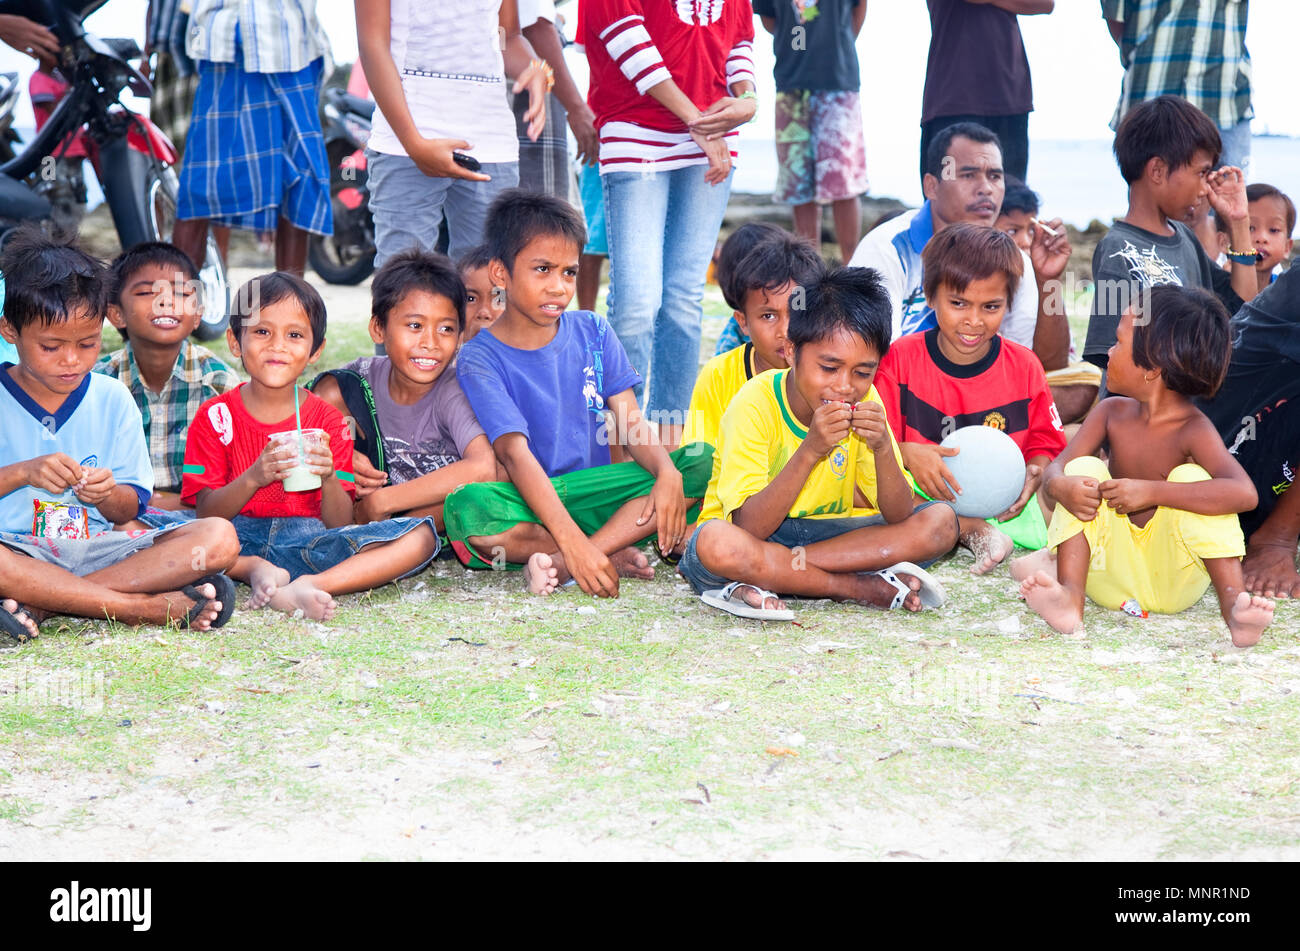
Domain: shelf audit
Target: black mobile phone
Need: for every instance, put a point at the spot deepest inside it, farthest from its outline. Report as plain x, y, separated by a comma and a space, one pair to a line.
467, 162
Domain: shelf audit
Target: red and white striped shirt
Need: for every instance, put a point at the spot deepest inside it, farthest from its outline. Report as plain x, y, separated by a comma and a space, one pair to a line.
704, 46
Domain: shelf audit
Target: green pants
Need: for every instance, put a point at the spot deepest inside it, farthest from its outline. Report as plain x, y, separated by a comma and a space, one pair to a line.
1027, 530
590, 496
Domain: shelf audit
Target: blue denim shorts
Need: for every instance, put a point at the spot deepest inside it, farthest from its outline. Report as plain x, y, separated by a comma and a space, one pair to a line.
792, 533
304, 546
82, 556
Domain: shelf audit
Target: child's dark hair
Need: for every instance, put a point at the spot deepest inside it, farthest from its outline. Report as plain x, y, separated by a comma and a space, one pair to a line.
416, 270
517, 217
267, 289
1259, 190
1166, 127
942, 142
849, 299
967, 252
739, 243
475, 258
147, 254
47, 279
1185, 337
1019, 197
773, 263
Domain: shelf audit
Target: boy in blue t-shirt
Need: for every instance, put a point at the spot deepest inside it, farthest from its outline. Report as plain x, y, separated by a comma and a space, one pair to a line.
541, 381
73, 462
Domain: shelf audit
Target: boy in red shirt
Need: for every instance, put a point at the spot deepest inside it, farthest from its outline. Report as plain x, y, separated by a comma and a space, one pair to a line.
963, 373
235, 469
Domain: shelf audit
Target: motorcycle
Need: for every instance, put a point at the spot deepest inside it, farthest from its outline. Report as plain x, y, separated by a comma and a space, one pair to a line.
133, 160
348, 256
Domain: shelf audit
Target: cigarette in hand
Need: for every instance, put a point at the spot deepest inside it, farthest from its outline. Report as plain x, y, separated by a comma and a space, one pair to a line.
1052, 231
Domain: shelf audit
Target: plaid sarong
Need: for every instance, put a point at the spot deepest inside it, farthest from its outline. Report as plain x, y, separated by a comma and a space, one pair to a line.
544, 164
172, 102
255, 152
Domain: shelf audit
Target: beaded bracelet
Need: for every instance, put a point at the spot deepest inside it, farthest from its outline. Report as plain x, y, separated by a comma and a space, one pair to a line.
1242, 257
545, 67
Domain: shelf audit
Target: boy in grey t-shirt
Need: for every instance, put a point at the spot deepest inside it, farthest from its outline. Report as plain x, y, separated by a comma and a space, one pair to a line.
432, 442
1167, 150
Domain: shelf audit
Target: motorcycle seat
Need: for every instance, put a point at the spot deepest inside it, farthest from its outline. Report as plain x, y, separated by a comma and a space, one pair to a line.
357, 105
20, 203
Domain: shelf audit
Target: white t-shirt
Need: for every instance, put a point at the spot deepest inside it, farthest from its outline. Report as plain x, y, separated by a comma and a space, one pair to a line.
449, 58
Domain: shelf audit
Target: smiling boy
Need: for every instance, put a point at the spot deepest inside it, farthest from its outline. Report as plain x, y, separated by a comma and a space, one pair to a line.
793, 448
542, 380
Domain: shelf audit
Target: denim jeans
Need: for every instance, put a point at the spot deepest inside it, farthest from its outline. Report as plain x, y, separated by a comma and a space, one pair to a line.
408, 206
661, 227
1236, 146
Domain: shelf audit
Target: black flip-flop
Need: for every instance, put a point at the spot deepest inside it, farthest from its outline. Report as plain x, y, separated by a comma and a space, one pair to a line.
11, 626
225, 589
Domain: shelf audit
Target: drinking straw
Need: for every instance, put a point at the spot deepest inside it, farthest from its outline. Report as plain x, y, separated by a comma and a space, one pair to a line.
297, 415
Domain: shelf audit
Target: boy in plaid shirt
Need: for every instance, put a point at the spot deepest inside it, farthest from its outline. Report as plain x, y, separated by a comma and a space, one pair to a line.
155, 303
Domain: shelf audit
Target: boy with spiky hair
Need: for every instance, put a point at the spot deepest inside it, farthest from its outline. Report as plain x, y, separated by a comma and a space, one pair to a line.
542, 380
793, 449
73, 462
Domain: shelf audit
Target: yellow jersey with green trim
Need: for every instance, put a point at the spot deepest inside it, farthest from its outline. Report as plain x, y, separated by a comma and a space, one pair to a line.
719, 381
758, 435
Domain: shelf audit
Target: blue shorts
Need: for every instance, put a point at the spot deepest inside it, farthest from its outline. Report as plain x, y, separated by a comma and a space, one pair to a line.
792, 533
593, 208
304, 546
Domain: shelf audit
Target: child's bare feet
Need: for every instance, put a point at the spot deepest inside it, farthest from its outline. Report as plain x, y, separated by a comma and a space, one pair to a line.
24, 617
876, 592
1052, 601
632, 563
989, 545
303, 595
541, 573
1024, 566
265, 579
1248, 618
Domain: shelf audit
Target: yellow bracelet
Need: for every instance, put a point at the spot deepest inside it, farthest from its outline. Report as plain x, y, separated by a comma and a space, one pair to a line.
545, 67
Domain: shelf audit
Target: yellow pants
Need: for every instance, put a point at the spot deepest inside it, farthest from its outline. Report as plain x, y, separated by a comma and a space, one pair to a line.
1160, 564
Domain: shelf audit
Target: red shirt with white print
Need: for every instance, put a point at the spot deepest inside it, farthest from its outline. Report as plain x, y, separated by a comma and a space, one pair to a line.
224, 440
704, 46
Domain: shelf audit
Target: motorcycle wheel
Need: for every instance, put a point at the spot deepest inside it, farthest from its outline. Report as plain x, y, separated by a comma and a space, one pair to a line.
339, 265
161, 192
347, 256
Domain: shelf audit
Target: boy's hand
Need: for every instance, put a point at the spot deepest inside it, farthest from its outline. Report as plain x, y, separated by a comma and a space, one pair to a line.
1228, 193
96, 486
369, 509
667, 502
368, 477
55, 473
925, 462
831, 424
868, 420
1080, 495
1033, 478
1127, 496
593, 571
318, 459
272, 465
1050, 253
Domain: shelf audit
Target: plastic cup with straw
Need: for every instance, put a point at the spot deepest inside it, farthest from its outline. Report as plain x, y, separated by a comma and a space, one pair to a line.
300, 478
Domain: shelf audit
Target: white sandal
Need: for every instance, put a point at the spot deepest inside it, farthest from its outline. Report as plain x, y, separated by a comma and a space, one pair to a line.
931, 593
721, 598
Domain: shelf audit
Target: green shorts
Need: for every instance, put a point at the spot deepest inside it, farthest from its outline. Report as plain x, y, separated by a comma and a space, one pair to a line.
1027, 530
590, 496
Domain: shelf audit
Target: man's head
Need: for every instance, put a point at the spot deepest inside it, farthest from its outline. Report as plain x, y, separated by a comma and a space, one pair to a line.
56, 296
535, 241
770, 281
841, 336
970, 275
1272, 219
484, 301
963, 175
1019, 208
156, 297
1167, 148
417, 305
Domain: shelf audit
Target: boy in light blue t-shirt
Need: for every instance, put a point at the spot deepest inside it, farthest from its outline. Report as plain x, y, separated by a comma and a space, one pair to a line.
73, 463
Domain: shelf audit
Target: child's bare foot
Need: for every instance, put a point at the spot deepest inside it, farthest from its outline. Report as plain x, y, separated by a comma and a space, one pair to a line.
1024, 566
1248, 618
632, 563
1052, 601
541, 573
876, 592
1269, 569
265, 579
22, 616
301, 594
989, 545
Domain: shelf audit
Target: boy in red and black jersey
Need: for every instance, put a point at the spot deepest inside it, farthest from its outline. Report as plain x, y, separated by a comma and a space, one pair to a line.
963, 373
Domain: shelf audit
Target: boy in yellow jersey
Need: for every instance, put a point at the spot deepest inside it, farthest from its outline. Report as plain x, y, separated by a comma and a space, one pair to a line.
767, 282
792, 448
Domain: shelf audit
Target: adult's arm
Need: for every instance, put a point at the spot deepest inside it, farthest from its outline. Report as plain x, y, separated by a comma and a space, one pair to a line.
859, 17
1020, 7
545, 39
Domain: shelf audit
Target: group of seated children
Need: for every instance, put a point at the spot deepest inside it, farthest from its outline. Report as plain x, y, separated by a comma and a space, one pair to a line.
810, 463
